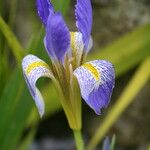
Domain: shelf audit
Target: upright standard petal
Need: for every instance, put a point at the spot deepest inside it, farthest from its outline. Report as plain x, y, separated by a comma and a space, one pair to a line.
77, 45
96, 80
43, 8
33, 69
57, 39
83, 13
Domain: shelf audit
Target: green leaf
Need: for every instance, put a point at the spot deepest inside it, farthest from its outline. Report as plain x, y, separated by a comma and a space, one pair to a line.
128, 51
12, 12
112, 145
1, 36
4, 72
126, 98
16, 47
15, 107
24, 145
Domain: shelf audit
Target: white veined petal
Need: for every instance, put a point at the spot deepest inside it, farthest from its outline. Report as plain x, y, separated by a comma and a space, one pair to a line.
96, 80
77, 45
33, 69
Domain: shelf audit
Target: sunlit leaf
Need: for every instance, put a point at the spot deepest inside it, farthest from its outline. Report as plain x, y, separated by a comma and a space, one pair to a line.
127, 51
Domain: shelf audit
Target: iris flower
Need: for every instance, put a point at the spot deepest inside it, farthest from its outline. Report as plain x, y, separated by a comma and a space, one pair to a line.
93, 80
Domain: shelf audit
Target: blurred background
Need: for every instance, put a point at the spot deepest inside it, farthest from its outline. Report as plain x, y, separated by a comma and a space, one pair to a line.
121, 34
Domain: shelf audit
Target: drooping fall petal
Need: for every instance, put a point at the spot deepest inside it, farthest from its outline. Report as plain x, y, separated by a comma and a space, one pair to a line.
33, 69
96, 80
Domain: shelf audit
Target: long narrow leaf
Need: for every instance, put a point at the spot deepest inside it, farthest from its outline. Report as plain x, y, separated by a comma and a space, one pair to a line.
28, 139
16, 47
15, 107
127, 51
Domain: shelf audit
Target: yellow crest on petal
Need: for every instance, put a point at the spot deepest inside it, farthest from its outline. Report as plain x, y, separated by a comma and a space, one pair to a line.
93, 70
35, 65
73, 42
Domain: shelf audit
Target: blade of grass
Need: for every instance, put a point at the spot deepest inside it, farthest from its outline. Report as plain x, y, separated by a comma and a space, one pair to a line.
28, 139
12, 13
16, 122
1, 36
16, 47
12, 92
127, 97
112, 145
4, 72
127, 51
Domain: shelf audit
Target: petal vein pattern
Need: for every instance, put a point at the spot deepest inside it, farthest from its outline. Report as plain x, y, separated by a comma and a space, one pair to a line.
83, 13
43, 9
96, 80
77, 46
33, 69
57, 39
93, 70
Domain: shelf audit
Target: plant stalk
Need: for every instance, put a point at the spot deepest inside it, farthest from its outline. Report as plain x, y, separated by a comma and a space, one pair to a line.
79, 140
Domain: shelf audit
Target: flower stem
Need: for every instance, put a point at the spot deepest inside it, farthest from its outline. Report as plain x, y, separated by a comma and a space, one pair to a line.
78, 139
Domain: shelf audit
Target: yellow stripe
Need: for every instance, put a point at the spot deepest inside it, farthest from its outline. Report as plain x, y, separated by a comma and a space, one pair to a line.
93, 70
36, 64
73, 46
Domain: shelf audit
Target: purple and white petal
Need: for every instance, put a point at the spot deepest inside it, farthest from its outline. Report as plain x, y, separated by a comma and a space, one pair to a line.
83, 13
33, 69
77, 45
96, 80
43, 8
57, 39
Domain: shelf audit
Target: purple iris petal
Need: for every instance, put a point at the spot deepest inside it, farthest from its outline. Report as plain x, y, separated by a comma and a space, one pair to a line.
96, 80
33, 69
83, 13
57, 39
99, 98
43, 8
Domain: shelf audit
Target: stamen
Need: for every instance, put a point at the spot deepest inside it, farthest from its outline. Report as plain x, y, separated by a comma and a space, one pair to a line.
73, 46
